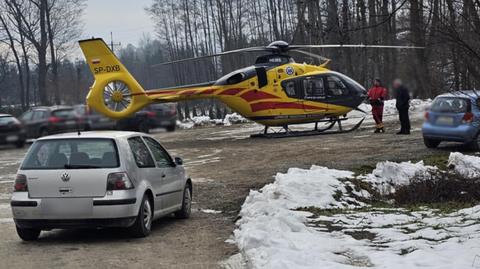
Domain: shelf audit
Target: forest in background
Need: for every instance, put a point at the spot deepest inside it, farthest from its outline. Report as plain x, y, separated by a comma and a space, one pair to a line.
37, 38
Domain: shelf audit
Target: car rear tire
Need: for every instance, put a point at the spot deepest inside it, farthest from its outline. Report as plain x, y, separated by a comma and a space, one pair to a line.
28, 234
171, 128
184, 213
143, 223
20, 144
143, 127
431, 143
43, 132
473, 145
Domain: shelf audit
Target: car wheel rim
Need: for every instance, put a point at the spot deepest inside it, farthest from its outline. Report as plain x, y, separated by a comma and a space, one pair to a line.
147, 214
117, 96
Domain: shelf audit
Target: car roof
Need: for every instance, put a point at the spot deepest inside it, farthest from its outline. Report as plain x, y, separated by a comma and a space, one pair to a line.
51, 107
471, 94
93, 134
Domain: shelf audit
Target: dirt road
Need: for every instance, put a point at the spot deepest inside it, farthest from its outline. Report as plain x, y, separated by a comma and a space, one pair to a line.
224, 164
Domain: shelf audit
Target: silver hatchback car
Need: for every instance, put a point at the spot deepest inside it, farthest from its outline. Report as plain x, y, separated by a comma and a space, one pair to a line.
98, 179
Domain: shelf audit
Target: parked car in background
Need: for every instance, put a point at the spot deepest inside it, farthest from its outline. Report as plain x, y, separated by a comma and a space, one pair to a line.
152, 116
94, 120
453, 117
42, 121
11, 131
98, 179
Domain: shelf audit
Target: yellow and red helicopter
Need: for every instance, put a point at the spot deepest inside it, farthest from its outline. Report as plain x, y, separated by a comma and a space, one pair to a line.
275, 91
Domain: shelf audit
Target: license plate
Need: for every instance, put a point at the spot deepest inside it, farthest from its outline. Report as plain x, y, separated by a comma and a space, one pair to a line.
445, 120
70, 122
66, 207
11, 138
104, 119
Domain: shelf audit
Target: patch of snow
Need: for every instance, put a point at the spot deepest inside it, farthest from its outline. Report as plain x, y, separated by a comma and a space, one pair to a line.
277, 231
211, 211
387, 175
234, 118
464, 165
196, 121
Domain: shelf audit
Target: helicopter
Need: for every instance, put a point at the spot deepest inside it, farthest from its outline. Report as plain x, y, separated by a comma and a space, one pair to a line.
275, 91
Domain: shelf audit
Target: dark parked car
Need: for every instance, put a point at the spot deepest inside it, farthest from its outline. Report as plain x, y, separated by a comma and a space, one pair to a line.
153, 116
42, 121
11, 131
94, 120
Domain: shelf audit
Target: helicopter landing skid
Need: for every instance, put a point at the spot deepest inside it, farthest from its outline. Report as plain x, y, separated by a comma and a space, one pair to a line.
330, 123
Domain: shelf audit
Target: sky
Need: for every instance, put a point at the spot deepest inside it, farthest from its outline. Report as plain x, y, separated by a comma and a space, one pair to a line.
127, 20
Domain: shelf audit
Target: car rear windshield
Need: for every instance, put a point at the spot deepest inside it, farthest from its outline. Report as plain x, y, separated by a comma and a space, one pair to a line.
74, 153
64, 113
451, 104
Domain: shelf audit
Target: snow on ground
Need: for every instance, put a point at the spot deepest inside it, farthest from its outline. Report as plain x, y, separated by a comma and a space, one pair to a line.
278, 230
388, 175
233, 118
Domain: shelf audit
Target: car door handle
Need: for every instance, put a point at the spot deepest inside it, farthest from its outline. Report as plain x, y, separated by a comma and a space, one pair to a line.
163, 175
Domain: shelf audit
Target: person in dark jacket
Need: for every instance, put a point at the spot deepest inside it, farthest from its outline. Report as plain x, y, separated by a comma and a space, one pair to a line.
402, 97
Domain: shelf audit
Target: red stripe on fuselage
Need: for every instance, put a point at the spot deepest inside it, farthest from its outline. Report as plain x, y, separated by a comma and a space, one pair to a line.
256, 95
277, 105
232, 91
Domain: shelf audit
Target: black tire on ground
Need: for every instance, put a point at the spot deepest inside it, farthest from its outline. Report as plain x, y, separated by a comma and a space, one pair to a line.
431, 143
143, 127
27, 234
143, 223
184, 212
473, 145
170, 128
87, 128
20, 144
43, 132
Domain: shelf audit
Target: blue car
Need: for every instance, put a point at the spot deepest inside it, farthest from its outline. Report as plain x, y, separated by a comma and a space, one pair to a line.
453, 117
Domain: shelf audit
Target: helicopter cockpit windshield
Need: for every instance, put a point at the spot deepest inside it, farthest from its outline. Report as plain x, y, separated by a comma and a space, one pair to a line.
274, 59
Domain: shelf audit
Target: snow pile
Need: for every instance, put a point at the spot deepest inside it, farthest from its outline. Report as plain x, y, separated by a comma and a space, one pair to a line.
197, 121
464, 165
233, 118
387, 175
278, 230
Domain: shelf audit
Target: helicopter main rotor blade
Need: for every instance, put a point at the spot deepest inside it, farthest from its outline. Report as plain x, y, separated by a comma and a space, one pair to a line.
316, 56
353, 46
251, 49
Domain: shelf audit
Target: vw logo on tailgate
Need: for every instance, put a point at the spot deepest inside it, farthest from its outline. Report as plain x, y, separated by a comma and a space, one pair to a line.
65, 177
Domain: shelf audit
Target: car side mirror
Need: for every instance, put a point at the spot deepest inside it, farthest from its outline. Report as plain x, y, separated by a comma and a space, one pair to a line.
178, 161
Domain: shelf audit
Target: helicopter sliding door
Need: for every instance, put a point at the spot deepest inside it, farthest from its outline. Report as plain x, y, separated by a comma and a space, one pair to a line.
314, 90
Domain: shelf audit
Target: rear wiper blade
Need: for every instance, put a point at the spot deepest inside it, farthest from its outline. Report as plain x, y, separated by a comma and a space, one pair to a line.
79, 166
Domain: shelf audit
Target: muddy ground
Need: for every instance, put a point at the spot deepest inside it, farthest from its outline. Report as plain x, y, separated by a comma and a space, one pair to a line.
224, 165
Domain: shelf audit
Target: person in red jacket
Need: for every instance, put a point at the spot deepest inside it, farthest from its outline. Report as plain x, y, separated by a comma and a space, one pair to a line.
376, 95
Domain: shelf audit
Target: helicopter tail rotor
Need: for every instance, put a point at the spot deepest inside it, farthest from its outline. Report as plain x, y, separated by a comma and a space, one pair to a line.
115, 92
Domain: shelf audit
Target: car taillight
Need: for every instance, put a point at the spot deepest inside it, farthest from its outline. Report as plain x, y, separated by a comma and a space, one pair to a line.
151, 114
119, 181
21, 183
427, 115
468, 117
54, 119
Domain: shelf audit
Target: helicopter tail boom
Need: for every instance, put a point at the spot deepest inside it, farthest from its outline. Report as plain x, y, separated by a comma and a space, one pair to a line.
115, 92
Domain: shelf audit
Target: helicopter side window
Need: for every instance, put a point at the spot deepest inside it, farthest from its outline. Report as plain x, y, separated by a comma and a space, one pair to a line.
290, 88
336, 87
314, 88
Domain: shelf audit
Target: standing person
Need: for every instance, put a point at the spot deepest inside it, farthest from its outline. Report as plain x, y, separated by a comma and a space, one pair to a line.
403, 97
376, 95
